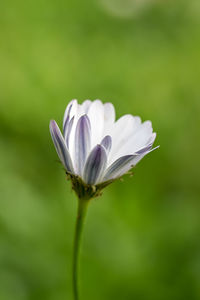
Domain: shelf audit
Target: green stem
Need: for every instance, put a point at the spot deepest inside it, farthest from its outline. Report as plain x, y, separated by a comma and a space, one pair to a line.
81, 214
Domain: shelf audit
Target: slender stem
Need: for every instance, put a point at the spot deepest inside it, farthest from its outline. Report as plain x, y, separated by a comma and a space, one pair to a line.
81, 214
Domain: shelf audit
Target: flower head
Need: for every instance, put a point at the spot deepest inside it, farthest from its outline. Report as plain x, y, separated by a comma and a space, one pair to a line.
95, 149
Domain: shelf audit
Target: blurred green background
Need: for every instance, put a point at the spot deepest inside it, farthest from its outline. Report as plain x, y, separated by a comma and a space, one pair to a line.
142, 238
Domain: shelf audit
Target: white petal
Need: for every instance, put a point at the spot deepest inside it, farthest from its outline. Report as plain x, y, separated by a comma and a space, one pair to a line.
95, 165
148, 146
142, 136
139, 139
109, 117
152, 138
122, 131
96, 116
60, 146
85, 106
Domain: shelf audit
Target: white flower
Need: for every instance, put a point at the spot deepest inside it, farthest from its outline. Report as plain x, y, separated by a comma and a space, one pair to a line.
96, 148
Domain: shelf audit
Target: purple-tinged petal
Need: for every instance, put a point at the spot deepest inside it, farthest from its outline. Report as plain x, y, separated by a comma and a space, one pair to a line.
141, 155
66, 122
60, 146
95, 165
144, 149
72, 106
82, 142
119, 167
154, 148
107, 143
68, 131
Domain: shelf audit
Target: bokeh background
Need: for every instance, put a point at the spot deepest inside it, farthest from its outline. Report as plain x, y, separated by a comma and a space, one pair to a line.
142, 238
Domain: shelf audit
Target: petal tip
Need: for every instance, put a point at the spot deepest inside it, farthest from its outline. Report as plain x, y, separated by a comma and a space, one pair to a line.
52, 125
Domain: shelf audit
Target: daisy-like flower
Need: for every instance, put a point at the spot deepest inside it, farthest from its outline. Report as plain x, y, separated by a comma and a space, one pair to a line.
95, 149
